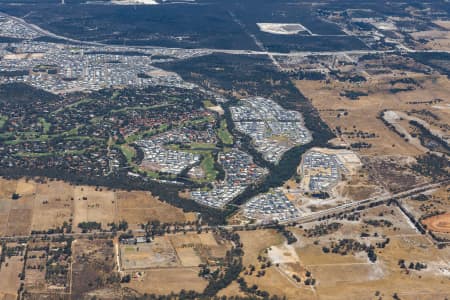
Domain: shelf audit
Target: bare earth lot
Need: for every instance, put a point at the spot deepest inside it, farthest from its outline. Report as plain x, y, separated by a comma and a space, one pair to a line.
439, 223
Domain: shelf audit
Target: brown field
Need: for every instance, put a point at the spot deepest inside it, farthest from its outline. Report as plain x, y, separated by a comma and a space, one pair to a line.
436, 39
313, 255
25, 187
189, 257
48, 204
53, 205
362, 113
141, 207
208, 239
167, 280
93, 205
277, 283
440, 223
19, 222
232, 290
184, 240
360, 279
9, 283
355, 273
7, 188
16, 214
170, 263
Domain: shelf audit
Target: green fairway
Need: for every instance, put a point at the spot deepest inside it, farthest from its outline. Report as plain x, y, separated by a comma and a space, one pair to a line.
128, 151
3, 120
223, 133
207, 165
45, 125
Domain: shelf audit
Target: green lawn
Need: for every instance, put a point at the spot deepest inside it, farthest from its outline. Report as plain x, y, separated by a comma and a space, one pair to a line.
3, 120
140, 135
207, 165
199, 121
71, 132
72, 105
202, 146
43, 154
142, 107
128, 151
223, 133
45, 125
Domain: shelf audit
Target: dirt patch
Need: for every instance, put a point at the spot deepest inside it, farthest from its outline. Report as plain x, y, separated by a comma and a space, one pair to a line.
159, 253
440, 223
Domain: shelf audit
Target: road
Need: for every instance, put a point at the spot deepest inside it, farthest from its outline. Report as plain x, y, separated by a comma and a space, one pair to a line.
226, 51
365, 202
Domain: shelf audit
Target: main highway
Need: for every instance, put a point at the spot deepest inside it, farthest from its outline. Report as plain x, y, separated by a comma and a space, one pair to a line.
226, 51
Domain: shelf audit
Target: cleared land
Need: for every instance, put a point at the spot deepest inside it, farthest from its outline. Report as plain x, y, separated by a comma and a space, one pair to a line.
284, 29
439, 223
157, 254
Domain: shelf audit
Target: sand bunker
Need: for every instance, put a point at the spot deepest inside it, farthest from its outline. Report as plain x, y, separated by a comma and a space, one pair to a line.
440, 223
